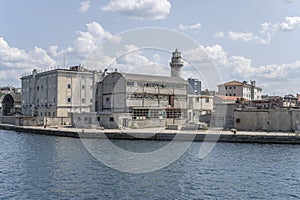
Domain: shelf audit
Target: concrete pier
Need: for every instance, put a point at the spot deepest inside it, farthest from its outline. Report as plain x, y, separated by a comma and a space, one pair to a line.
160, 134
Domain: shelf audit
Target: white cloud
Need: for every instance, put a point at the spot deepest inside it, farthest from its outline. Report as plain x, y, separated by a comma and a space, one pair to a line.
196, 26
272, 77
266, 33
141, 9
246, 36
290, 23
15, 61
88, 41
84, 6
18, 58
219, 34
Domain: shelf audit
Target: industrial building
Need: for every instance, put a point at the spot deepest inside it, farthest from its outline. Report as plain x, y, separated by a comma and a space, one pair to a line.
135, 100
58, 92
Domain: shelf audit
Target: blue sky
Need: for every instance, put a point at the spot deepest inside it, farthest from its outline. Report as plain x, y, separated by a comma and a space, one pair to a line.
244, 40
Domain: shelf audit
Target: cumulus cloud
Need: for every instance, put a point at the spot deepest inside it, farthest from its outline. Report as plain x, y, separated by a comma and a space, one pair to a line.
15, 61
242, 68
140, 9
183, 27
18, 58
88, 41
84, 6
267, 31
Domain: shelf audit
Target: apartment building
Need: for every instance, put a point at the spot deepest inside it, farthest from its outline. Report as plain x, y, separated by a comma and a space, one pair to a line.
241, 90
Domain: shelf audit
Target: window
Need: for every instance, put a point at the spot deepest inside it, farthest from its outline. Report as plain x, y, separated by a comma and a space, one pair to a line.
69, 86
111, 119
207, 100
130, 83
233, 94
82, 100
230, 87
54, 100
37, 88
226, 88
233, 87
83, 87
42, 87
69, 99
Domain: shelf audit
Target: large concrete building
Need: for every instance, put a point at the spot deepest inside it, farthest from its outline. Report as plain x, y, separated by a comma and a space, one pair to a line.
58, 92
135, 100
240, 89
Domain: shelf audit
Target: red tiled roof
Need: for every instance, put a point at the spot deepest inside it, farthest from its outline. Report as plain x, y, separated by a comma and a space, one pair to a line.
233, 83
228, 98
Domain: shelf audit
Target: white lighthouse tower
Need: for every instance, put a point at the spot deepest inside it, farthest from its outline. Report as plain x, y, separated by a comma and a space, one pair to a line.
176, 64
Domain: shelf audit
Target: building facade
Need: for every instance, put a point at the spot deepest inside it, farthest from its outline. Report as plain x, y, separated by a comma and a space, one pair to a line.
200, 108
145, 101
241, 90
194, 86
58, 92
11, 105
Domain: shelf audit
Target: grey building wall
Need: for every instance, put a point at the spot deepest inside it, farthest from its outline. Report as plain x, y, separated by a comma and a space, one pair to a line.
150, 101
56, 93
224, 115
267, 120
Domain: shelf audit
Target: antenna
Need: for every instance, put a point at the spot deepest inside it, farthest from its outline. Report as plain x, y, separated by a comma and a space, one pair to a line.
64, 59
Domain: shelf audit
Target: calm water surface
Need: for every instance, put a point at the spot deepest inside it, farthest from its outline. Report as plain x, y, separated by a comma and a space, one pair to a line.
48, 167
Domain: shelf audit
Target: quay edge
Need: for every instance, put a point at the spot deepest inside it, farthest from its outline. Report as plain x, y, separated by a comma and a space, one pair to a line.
197, 136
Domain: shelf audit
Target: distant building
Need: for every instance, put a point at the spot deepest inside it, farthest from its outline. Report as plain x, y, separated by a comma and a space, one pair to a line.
207, 92
9, 89
200, 108
58, 92
290, 101
11, 105
194, 86
240, 89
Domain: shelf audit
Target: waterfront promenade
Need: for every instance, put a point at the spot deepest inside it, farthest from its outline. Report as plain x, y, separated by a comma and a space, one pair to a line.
211, 135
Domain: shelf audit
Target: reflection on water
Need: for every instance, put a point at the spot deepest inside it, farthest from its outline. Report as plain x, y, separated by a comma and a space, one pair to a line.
46, 167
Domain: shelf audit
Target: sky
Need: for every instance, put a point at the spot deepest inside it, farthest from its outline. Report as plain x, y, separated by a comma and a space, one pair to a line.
220, 40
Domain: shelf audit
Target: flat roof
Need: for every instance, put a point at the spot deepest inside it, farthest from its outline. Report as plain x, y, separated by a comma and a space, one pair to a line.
154, 79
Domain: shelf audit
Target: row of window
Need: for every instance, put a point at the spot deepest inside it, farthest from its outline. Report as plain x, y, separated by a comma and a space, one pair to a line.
226, 87
47, 114
168, 113
154, 97
83, 100
231, 94
155, 85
